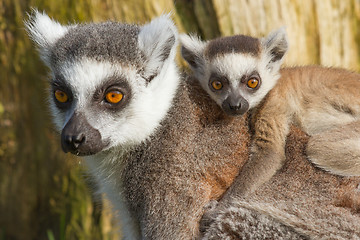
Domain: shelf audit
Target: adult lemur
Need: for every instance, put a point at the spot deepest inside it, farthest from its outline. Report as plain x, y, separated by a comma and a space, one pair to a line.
242, 73
158, 149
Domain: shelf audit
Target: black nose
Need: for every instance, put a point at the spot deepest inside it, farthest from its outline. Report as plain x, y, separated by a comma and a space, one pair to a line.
235, 107
235, 104
72, 143
80, 138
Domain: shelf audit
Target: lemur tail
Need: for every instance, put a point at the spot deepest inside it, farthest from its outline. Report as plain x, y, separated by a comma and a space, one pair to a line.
337, 150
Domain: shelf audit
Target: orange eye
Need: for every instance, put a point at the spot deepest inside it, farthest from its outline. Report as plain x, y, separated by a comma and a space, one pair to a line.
253, 83
61, 96
114, 96
217, 85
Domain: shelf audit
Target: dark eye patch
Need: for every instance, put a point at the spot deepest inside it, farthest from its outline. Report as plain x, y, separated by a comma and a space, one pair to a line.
219, 78
59, 84
115, 83
245, 78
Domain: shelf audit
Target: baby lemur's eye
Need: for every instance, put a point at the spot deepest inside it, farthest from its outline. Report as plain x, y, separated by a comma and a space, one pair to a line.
61, 96
253, 83
217, 85
114, 96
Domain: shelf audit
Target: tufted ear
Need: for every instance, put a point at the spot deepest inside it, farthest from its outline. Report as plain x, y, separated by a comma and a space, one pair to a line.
157, 40
275, 45
44, 32
192, 49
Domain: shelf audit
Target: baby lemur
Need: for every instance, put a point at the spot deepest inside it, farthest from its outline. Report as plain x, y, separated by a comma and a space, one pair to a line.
242, 74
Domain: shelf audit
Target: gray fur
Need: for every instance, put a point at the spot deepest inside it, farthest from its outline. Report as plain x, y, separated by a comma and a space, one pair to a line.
166, 179
108, 41
161, 182
242, 222
233, 44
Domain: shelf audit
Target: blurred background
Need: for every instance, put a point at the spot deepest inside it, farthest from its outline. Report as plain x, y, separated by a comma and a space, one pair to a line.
46, 194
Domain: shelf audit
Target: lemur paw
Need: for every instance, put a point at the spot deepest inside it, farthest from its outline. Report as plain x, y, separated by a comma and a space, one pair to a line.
210, 212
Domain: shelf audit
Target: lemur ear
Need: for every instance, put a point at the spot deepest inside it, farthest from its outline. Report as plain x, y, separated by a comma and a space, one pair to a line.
276, 45
157, 40
44, 32
192, 49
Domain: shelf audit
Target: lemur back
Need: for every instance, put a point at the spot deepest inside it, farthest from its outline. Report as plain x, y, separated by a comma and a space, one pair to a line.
323, 102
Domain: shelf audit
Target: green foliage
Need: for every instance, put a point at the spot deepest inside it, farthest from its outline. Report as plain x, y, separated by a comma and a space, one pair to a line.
50, 235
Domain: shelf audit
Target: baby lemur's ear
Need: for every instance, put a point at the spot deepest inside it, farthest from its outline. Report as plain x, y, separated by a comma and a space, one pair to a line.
192, 49
275, 46
157, 40
44, 32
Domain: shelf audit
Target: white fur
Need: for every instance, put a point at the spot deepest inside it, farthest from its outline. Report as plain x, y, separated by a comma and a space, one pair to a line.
104, 167
158, 31
44, 32
194, 45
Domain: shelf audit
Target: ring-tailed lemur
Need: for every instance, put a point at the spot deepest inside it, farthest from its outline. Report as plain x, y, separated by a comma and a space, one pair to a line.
242, 73
156, 146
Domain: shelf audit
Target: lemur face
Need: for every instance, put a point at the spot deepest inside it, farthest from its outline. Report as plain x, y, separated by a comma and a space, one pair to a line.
92, 103
105, 77
233, 81
238, 71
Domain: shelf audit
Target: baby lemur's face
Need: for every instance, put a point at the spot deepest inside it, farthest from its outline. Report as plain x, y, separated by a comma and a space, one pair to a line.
237, 71
106, 85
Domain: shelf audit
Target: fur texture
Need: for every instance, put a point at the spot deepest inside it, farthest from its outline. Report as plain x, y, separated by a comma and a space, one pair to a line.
175, 155
305, 200
295, 99
329, 115
150, 153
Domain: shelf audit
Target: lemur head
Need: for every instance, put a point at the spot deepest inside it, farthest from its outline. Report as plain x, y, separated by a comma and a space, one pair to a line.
237, 71
111, 83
